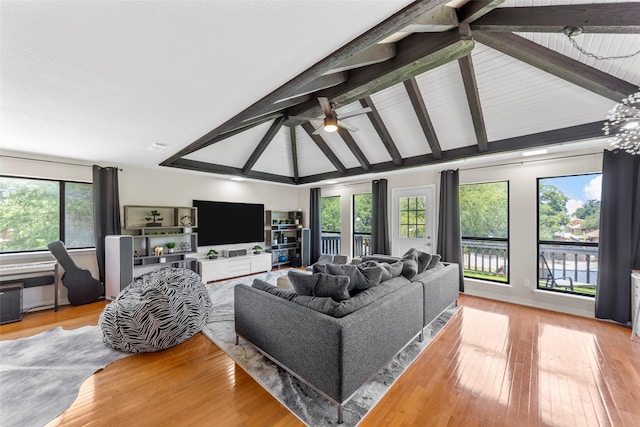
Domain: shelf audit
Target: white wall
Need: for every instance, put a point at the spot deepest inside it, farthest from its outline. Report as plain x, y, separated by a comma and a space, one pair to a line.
138, 186
160, 187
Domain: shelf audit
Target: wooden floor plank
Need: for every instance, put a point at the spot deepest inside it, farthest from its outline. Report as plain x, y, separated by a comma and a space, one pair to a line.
495, 364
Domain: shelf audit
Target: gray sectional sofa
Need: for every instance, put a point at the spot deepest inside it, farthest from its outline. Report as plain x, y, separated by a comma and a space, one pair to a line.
336, 344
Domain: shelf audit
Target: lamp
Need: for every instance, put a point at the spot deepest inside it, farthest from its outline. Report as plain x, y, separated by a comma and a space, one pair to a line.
330, 123
623, 124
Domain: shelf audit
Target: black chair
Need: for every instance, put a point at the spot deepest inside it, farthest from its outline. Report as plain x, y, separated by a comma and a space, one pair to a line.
82, 287
552, 281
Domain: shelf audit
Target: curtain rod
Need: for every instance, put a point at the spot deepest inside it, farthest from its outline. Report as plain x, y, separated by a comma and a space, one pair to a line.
49, 161
522, 162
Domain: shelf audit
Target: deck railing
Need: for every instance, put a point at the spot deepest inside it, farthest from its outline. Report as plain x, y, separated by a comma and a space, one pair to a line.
486, 258
330, 243
579, 262
361, 244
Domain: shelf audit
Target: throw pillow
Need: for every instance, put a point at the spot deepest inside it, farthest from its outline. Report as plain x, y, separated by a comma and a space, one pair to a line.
360, 278
423, 258
409, 265
389, 271
319, 268
435, 258
320, 285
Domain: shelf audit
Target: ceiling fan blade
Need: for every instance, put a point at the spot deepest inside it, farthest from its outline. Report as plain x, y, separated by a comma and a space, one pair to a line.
326, 105
347, 126
355, 113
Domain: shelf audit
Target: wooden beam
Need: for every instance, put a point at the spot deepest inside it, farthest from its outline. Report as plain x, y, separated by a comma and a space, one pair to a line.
195, 165
294, 153
322, 145
558, 136
473, 10
592, 18
473, 99
262, 145
420, 108
243, 127
381, 129
558, 64
353, 146
381, 31
372, 55
320, 83
415, 54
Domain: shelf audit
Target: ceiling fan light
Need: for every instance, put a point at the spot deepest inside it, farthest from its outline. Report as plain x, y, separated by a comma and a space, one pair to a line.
330, 124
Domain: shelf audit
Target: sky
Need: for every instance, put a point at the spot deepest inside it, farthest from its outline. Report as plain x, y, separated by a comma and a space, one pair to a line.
578, 188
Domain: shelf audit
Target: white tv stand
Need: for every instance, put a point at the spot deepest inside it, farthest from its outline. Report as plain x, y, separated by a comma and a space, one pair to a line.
225, 268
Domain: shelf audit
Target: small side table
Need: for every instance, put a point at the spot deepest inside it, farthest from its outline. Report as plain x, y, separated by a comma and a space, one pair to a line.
11, 302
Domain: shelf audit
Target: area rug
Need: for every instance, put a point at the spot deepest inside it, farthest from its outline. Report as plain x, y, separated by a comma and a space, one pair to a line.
305, 403
40, 376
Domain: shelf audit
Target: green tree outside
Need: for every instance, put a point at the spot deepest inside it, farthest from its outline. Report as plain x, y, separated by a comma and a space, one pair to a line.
589, 214
552, 211
362, 210
331, 214
484, 209
29, 217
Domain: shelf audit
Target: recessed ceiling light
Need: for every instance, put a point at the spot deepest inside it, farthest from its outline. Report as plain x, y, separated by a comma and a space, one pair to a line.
236, 178
534, 152
330, 182
157, 147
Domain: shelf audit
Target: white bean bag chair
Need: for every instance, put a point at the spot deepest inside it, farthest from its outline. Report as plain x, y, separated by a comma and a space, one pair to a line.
159, 310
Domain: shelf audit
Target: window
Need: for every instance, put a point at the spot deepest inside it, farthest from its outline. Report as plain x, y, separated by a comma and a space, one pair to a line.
35, 212
331, 225
361, 225
412, 217
484, 225
568, 233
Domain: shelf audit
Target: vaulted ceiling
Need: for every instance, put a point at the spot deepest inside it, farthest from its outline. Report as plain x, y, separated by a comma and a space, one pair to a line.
443, 81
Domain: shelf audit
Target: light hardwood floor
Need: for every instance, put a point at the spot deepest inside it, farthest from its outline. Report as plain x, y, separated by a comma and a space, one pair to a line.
494, 364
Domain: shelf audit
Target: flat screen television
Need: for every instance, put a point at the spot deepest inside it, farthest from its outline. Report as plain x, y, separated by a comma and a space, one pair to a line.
224, 223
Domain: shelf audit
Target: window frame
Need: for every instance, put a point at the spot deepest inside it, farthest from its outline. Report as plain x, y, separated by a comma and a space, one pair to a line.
505, 240
353, 226
61, 211
560, 243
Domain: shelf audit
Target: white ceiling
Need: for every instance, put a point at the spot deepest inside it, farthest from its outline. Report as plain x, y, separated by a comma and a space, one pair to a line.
102, 80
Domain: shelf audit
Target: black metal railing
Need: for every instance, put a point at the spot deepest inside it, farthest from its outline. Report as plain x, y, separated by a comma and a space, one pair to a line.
486, 258
361, 244
330, 243
564, 262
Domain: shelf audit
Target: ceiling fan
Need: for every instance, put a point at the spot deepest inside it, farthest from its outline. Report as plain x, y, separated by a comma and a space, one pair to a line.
330, 118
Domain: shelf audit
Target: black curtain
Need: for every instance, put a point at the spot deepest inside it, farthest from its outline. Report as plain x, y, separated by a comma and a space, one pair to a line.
106, 209
449, 236
315, 222
379, 218
619, 248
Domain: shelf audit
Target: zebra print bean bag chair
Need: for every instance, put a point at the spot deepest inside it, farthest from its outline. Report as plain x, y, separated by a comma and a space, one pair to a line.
159, 310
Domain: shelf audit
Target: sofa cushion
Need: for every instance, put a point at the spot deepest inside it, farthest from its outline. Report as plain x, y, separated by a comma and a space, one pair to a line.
320, 285
389, 271
360, 278
409, 265
328, 305
319, 268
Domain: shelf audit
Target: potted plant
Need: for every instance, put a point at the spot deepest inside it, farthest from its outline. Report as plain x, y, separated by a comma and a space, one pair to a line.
170, 246
257, 249
212, 254
156, 217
